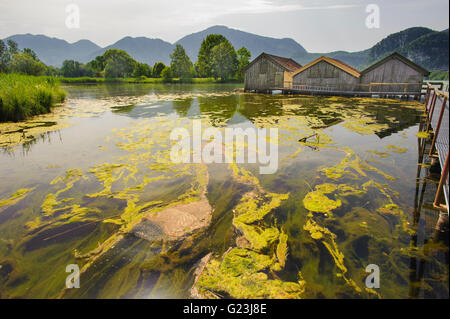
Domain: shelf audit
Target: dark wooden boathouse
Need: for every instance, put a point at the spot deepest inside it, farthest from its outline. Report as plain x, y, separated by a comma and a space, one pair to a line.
269, 71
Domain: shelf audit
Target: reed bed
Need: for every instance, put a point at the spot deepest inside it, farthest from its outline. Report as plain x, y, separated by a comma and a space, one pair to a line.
23, 96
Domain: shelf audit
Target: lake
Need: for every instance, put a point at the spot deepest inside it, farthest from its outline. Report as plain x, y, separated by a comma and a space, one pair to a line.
92, 185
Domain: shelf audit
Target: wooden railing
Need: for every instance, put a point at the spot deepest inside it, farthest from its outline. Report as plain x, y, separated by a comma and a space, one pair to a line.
402, 87
304, 87
374, 87
442, 120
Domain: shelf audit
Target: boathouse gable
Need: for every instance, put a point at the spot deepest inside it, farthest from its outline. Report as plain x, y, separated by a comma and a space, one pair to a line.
329, 73
395, 68
269, 71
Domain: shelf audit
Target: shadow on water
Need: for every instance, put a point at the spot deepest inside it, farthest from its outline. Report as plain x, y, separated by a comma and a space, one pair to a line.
428, 269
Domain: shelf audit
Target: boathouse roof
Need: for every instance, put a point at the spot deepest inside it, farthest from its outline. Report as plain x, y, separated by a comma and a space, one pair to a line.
287, 63
337, 63
400, 57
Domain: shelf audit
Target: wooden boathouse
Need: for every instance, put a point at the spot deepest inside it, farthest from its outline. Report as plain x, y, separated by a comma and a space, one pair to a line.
395, 73
269, 71
327, 73
393, 76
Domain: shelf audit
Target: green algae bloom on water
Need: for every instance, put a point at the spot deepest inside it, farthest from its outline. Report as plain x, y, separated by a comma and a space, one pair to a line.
317, 201
16, 197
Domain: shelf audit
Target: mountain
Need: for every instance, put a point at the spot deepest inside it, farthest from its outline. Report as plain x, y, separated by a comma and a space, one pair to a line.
53, 51
395, 42
429, 50
256, 44
355, 59
141, 49
424, 46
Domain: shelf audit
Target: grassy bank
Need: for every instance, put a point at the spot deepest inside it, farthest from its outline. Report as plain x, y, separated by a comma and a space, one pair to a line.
88, 80
22, 96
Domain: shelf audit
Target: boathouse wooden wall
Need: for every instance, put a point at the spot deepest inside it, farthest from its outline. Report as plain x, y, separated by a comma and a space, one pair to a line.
324, 74
264, 74
392, 71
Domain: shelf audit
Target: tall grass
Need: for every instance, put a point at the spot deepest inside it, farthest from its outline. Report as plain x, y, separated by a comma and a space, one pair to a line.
22, 96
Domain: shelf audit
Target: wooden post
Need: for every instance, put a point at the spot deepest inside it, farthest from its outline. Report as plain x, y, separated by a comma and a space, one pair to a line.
444, 173
430, 113
427, 96
438, 126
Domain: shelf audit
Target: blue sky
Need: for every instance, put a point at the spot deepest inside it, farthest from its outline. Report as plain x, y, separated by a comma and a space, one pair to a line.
319, 25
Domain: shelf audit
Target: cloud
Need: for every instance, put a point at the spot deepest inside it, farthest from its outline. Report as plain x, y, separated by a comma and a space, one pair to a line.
208, 10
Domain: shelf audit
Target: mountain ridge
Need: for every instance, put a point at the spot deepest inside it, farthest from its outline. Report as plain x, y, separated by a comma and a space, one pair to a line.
424, 46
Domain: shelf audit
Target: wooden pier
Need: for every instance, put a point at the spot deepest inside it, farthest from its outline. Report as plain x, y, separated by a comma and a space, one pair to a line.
382, 90
437, 126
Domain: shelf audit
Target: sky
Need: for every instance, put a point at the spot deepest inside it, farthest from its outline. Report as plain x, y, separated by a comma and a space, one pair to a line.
318, 25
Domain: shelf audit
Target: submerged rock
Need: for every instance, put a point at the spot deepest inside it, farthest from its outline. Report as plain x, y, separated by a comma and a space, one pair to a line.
175, 222
148, 231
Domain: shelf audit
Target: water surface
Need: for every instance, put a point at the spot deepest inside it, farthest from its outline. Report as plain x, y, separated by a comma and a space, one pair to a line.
85, 182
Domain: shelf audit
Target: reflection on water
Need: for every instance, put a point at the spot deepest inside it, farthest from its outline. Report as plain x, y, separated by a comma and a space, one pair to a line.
76, 189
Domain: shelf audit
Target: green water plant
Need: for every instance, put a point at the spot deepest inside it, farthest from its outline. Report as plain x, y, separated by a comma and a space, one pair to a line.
23, 96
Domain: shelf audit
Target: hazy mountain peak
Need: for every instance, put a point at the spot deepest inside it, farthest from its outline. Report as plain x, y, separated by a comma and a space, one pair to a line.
256, 44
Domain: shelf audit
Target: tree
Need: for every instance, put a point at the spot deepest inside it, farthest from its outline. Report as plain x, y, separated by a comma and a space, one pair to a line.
5, 57
74, 69
118, 64
13, 48
166, 74
224, 61
31, 53
204, 61
157, 69
243, 56
52, 71
24, 63
180, 64
98, 64
142, 69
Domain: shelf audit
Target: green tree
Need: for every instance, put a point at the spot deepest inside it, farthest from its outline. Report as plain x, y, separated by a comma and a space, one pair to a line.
166, 74
98, 64
180, 64
224, 61
5, 57
31, 53
157, 69
24, 63
142, 69
71, 68
52, 71
204, 61
243, 56
118, 64
13, 47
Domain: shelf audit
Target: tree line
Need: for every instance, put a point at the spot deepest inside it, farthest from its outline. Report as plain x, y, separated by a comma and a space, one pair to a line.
13, 60
217, 58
